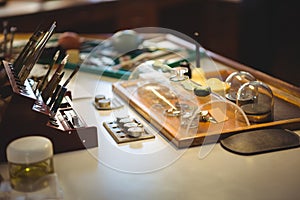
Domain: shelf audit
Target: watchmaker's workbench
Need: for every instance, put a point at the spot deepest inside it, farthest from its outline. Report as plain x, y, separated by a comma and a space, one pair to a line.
157, 169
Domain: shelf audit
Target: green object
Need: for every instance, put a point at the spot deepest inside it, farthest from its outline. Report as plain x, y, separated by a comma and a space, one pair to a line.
103, 71
89, 46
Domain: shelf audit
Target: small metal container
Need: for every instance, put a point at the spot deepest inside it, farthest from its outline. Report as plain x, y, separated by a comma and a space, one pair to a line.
104, 103
135, 131
99, 97
125, 121
129, 125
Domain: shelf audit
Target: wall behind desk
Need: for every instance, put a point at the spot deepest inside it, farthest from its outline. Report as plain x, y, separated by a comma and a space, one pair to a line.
263, 34
270, 37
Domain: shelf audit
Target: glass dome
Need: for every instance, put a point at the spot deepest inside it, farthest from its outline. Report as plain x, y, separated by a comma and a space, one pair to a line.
170, 93
168, 73
256, 99
165, 79
235, 80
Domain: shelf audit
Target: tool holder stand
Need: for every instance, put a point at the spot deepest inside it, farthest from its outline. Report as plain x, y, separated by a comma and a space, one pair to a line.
26, 115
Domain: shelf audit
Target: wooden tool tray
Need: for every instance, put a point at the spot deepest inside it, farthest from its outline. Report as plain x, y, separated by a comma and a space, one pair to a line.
286, 108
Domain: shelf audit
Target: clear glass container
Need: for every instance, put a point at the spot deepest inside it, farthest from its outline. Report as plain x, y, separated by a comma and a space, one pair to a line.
30, 161
256, 99
235, 80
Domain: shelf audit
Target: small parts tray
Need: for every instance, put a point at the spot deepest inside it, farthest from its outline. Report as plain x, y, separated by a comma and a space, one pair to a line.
117, 130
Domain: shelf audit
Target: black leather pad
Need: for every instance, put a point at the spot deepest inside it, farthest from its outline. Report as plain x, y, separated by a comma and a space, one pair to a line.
261, 141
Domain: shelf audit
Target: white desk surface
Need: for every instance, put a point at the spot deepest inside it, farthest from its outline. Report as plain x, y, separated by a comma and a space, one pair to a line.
155, 169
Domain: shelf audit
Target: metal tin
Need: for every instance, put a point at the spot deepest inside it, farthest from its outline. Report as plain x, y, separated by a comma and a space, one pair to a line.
104, 103
129, 125
135, 131
99, 97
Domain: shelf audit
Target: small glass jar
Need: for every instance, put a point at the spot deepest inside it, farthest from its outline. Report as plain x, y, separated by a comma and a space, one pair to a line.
30, 160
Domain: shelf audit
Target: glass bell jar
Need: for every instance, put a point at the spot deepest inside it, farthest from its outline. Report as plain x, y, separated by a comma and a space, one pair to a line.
256, 99
235, 80
190, 108
170, 80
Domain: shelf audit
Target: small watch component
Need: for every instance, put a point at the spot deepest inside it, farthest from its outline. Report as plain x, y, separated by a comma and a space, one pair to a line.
99, 97
127, 129
135, 131
204, 116
104, 103
125, 121
121, 117
172, 112
129, 125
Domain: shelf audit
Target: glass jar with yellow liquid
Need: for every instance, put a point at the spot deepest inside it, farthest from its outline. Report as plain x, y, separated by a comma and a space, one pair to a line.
30, 161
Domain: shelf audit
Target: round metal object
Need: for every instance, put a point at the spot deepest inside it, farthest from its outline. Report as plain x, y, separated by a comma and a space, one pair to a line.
129, 125
99, 97
104, 103
135, 131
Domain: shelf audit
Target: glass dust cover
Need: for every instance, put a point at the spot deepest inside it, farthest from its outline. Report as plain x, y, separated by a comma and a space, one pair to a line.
171, 81
180, 106
257, 101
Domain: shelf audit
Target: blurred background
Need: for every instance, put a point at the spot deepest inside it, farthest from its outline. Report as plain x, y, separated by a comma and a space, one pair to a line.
263, 34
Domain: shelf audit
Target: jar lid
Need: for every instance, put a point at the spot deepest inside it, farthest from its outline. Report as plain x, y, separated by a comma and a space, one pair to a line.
29, 149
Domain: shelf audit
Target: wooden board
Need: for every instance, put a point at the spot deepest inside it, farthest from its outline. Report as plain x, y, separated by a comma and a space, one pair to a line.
171, 127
